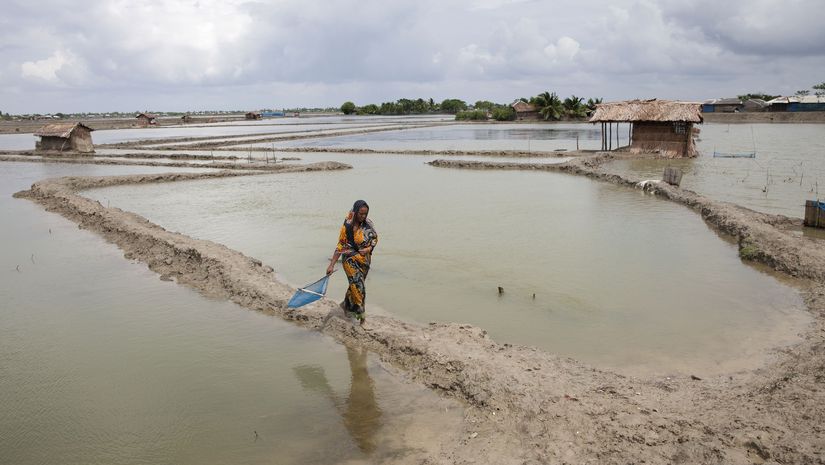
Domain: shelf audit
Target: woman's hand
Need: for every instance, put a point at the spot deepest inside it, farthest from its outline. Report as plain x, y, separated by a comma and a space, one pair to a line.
330, 269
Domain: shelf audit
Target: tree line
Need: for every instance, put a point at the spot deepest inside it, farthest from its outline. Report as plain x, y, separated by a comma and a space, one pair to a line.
548, 105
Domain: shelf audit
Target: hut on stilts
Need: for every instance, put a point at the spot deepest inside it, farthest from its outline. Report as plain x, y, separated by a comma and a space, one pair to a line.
656, 126
65, 137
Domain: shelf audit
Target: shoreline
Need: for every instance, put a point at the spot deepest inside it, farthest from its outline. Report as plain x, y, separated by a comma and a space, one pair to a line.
527, 404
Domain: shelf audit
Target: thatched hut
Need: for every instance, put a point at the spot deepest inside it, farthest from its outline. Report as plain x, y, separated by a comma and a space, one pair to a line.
657, 126
252, 115
65, 137
525, 110
146, 119
186, 119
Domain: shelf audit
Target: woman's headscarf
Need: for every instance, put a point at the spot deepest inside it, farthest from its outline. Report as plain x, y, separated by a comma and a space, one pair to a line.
348, 223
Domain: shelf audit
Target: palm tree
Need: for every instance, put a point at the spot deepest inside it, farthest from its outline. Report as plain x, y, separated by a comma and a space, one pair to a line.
591, 104
549, 105
573, 107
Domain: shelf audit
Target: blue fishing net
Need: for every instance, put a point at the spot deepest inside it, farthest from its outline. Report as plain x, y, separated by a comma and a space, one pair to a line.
309, 293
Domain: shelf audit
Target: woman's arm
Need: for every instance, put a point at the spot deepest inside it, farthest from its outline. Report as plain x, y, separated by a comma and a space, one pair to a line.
331, 266
342, 244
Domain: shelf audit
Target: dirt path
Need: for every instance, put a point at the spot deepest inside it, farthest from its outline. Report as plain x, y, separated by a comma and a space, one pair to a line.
525, 405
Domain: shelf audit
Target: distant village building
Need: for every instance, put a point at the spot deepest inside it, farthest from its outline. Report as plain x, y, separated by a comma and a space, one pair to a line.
146, 119
252, 115
722, 105
754, 105
524, 110
65, 137
657, 126
796, 104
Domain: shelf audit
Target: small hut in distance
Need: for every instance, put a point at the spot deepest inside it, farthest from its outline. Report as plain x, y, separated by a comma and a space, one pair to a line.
146, 119
657, 126
65, 137
524, 110
252, 115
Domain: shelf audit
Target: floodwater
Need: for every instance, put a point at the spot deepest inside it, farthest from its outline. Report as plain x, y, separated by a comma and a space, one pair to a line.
621, 279
500, 136
102, 363
789, 167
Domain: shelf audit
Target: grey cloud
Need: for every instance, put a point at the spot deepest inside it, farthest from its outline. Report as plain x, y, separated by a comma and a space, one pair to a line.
296, 52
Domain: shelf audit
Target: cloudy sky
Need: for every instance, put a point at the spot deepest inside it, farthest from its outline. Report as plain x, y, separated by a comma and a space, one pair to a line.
165, 55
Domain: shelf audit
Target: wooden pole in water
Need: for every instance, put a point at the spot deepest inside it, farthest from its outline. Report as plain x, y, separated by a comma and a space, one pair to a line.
629, 127
610, 136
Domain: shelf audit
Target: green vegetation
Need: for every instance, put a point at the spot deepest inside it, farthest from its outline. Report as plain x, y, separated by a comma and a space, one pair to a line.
504, 113
748, 251
452, 105
591, 104
471, 115
549, 105
485, 105
348, 108
820, 89
574, 108
402, 106
758, 96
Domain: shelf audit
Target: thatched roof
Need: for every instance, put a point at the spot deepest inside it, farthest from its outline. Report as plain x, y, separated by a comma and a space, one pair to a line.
523, 107
146, 115
647, 110
63, 130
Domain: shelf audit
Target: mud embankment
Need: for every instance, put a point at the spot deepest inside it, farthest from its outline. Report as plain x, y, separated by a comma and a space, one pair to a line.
86, 160
525, 406
203, 143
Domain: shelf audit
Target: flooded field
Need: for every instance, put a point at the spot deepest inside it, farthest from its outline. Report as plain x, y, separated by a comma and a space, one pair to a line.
501, 136
621, 279
101, 362
789, 167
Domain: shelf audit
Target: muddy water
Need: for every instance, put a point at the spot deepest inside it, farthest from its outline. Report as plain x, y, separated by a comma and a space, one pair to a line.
789, 167
524, 137
621, 279
101, 362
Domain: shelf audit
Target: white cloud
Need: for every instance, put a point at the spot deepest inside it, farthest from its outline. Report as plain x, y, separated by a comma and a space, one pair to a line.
47, 68
565, 48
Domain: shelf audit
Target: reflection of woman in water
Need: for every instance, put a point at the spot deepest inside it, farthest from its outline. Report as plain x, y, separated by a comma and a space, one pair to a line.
360, 411
356, 242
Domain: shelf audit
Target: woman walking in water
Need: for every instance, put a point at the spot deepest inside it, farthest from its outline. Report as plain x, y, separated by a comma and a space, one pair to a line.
356, 242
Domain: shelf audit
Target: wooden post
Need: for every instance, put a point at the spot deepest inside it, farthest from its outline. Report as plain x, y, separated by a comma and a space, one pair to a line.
610, 137
617, 136
814, 214
629, 127
672, 176
577, 142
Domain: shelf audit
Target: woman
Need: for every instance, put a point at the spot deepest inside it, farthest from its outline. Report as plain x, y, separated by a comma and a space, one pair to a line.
356, 242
